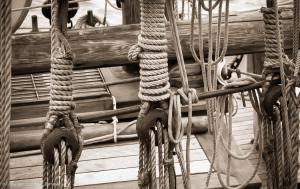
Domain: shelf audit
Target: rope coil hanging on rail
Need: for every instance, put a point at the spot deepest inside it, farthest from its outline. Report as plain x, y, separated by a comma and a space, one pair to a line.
151, 52
61, 142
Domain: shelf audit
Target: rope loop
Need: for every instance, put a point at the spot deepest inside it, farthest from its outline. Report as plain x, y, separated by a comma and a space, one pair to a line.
134, 52
184, 96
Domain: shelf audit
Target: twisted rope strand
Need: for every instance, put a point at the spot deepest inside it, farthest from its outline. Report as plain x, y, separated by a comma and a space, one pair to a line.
151, 52
5, 92
61, 106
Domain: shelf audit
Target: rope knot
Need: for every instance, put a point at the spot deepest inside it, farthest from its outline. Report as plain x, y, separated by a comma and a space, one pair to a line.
144, 178
71, 168
194, 95
185, 97
134, 52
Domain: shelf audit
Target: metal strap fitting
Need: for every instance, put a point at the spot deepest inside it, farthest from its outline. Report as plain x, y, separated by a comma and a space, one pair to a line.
147, 122
271, 97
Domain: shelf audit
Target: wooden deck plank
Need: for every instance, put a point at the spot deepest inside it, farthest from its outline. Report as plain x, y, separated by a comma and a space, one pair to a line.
117, 175
98, 167
96, 153
241, 170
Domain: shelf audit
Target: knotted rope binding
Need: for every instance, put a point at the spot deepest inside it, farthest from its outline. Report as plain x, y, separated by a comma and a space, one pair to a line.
61, 142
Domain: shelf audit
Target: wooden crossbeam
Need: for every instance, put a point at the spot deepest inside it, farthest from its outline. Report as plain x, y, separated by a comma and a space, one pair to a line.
106, 47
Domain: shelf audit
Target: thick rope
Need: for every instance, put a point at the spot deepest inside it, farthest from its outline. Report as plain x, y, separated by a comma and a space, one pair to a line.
5, 90
278, 151
296, 55
294, 130
292, 105
277, 63
154, 85
151, 52
61, 109
147, 160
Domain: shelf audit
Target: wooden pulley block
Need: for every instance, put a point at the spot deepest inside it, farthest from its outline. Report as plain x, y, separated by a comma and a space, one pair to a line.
73, 8
144, 124
271, 98
54, 139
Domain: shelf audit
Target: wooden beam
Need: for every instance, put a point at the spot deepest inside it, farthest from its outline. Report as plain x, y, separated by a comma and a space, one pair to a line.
29, 140
106, 47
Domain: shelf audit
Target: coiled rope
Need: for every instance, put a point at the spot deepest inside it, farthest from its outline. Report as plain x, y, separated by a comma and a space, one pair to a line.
154, 86
151, 52
5, 90
61, 109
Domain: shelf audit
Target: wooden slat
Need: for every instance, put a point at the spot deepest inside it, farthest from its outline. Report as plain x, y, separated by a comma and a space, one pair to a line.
43, 81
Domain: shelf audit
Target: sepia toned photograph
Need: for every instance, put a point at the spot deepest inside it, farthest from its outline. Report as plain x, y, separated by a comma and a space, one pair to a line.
149, 94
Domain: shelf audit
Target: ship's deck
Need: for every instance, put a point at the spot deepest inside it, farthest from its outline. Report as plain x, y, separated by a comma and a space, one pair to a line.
116, 165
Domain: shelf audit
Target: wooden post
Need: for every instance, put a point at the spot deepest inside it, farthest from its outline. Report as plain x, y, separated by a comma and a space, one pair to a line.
34, 21
90, 18
131, 12
131, 15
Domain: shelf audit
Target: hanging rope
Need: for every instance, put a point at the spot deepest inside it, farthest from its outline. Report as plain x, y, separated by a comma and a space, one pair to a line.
5, 90
281, 131
154, 90
225, 122
210, 82
154, 87
61, 142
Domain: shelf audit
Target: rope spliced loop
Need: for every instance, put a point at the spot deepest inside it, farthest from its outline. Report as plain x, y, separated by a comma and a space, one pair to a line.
61, 142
